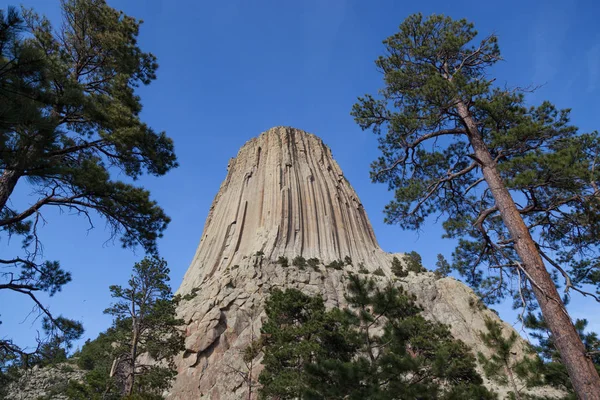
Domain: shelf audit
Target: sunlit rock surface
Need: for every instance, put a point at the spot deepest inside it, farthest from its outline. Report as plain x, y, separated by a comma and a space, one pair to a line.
284, 195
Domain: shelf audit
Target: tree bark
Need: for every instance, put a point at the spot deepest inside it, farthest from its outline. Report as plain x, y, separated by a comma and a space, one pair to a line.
131, 375
511, 377
8, 181
582, 372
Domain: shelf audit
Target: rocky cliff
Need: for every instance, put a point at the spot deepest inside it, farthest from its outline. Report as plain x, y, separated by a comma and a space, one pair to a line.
284, 195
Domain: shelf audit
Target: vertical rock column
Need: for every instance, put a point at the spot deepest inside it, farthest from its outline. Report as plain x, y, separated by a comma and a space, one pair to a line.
283, 195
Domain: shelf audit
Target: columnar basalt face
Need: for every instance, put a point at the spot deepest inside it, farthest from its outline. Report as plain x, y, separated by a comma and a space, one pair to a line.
284, 195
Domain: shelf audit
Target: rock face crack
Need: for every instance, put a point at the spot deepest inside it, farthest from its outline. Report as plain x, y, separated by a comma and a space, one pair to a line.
285, 196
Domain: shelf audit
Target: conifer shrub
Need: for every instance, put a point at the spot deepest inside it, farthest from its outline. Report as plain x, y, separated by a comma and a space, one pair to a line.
314, 263
362, 269
299, 262
283, 261
414, 263
336, 264
379, 272
397, 268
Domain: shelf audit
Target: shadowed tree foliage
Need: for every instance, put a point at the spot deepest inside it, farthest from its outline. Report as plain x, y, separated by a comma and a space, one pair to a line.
70, 122
381, 349
496, 171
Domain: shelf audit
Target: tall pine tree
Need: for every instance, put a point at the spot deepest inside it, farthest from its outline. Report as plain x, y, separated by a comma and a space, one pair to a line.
69, 124
500, 173
144, 313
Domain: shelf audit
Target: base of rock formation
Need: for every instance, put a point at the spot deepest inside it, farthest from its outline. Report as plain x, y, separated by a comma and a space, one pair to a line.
228, 312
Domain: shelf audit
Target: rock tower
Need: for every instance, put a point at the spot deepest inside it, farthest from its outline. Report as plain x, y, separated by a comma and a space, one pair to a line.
285, 196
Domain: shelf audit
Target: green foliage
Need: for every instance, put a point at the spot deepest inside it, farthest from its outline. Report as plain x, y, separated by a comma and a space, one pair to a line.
443, 267
414, 262
515, 185
96, 358
311, 353
288, 353
145, 308
9, 373
476, 304
70, 126
348, 260
336, 264
60, 332
299, 262
362, 269
553, 370
145, 315
49, 353
398, 269
502, 366
313, 263
430, 67
283, 261
379, 272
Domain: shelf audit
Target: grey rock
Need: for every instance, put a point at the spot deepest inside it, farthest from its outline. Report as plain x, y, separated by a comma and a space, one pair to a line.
48, 383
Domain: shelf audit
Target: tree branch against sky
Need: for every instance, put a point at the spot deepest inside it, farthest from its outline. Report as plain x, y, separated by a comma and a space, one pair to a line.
69, 122
494, 169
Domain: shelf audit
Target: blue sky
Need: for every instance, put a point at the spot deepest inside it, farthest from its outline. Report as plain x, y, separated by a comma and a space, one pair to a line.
230, 70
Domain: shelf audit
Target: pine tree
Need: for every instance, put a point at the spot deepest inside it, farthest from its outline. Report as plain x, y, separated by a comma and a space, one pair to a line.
455, 146
145, 318
398, 269
503, 366
554, 371
381, 349
443, 267
414, 262
70, 124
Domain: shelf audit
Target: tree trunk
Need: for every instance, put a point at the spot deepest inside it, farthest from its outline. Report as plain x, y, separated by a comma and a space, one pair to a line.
131, 375
582, 373
511, 377
8, 181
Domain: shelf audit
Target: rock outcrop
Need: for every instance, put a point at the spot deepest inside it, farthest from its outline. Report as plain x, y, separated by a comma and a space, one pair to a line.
45, 383
285, 196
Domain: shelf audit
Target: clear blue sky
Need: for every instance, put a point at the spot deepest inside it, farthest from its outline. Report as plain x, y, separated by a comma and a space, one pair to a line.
230, 70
